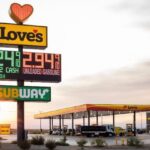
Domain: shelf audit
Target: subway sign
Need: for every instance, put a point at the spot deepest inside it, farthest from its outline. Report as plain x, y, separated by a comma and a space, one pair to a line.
30, 66
25, 93
27, 35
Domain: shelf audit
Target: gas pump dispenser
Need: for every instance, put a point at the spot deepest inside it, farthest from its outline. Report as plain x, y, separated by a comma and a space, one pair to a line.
129, 129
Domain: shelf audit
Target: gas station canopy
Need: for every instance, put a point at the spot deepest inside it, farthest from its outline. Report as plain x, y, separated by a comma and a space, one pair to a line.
102, 110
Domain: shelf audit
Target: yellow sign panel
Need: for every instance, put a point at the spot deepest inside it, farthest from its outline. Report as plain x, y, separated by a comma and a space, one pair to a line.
119, 107
26, 35
5, 129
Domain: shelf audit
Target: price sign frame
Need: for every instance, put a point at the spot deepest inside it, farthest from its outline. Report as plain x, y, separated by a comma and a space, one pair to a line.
29, 66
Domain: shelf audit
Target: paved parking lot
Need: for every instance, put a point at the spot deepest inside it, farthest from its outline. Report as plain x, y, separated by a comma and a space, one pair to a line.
72, 139
7, 146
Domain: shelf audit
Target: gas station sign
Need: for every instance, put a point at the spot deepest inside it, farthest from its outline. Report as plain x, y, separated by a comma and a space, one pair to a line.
30, 66
26, 35
23, 66
25, 93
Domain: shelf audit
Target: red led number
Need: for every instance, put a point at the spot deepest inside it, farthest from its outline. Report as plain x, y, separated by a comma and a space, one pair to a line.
41, 60
39, 57
57, 61
27, 60
49, 58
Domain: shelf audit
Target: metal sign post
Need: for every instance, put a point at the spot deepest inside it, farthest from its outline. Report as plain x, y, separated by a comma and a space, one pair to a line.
20, 111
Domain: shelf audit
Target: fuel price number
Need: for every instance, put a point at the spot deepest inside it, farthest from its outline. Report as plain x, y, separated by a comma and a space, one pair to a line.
10, 63
44, 66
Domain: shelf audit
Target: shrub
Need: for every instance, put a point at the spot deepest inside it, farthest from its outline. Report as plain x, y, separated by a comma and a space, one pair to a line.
99, 142
82, 143
24, 145
134, 141
50, 144
37, 140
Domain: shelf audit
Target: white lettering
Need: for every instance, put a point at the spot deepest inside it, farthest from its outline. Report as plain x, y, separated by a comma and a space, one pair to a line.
34, 93
42, 94
24, 93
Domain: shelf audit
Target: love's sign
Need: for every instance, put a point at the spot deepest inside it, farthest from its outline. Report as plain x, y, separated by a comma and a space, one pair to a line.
26, 35
20, 13
25, 93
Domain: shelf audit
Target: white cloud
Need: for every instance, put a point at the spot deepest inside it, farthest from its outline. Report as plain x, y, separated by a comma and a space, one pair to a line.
128, 85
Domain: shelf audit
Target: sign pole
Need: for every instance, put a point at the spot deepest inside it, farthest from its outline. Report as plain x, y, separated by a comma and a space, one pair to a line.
20, 110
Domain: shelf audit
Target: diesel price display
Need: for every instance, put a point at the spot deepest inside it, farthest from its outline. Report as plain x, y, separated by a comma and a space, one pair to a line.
30, 66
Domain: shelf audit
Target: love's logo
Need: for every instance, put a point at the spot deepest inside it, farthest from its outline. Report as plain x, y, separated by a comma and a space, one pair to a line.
20, 13
27, 35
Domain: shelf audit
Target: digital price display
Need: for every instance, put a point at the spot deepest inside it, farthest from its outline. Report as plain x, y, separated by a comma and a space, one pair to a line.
41, 66
10, 64
30, 66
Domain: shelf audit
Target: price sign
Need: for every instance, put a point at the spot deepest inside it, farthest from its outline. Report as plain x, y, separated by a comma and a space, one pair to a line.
41, 66
10, 63
30, 66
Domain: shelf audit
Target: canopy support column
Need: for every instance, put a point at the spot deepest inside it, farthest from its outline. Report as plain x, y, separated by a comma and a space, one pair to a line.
88, 116
101, 119
97, 118
62, 121
134, 122
83, 120
114, 120
50, 125
59, 124
72, 117
63, 129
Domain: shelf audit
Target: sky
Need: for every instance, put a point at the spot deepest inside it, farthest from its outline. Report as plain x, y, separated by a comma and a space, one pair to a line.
105, 53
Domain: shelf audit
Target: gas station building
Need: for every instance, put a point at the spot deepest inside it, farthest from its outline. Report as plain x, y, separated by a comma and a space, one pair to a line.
93, 110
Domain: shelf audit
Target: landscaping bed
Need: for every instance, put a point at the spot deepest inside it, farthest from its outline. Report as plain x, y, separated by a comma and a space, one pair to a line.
8, 146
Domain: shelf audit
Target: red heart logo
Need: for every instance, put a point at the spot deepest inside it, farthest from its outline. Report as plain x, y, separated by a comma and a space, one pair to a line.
20, 13
35, 31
